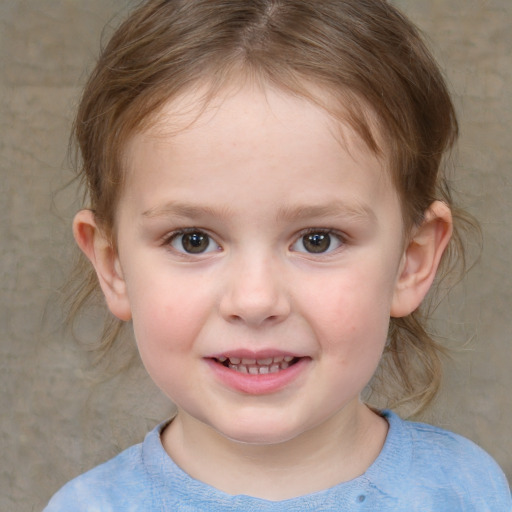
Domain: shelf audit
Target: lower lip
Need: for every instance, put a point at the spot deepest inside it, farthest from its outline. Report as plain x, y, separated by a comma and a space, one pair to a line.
258, 384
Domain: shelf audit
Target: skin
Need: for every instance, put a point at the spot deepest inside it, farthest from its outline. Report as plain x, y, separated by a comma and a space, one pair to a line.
255, 174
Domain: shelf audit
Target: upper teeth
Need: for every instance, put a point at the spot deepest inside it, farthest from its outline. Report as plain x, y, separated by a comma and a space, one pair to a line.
257, 366
263, 362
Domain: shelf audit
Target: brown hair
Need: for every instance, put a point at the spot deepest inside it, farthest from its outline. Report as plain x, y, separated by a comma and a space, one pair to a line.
364, 53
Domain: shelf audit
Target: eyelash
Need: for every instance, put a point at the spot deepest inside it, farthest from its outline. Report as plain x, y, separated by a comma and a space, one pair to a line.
340, 240
181, 233
332, 234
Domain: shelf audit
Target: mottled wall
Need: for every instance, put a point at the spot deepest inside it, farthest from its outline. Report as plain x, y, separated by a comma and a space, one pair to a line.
55, 423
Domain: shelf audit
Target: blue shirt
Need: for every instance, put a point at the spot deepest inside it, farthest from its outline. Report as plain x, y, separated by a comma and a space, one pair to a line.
421, 468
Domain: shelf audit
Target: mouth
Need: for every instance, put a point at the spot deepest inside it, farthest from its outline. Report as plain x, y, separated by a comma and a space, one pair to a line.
261, 366
256, 374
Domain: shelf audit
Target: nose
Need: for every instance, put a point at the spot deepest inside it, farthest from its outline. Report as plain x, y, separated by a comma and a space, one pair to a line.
255, 293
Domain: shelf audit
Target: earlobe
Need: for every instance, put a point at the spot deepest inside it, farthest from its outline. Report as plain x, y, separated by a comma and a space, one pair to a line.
99, 250
421, 259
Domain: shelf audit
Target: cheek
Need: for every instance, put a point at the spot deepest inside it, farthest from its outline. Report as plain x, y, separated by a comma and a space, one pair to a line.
165, 334
167, 319
351, 316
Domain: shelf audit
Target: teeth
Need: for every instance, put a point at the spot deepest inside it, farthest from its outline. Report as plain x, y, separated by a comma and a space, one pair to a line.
264, 362
239, 368
257, 366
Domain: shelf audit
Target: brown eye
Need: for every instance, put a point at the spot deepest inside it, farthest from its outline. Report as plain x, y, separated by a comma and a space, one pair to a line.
316, 242
195, 242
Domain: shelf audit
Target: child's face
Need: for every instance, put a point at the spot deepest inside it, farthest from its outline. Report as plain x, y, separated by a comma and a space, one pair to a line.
258, 233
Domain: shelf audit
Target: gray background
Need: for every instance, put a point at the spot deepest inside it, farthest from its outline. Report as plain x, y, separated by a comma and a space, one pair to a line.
57, 418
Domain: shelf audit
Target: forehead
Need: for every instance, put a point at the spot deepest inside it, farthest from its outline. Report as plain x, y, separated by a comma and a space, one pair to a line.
248, 105
246, 136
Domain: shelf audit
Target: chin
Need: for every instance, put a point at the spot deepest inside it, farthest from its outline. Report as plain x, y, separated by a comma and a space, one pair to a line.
260, 433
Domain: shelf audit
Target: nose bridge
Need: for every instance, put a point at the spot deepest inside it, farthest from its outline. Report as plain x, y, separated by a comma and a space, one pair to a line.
256, 291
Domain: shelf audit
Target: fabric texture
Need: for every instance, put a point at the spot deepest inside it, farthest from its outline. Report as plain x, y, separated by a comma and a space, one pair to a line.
420, 468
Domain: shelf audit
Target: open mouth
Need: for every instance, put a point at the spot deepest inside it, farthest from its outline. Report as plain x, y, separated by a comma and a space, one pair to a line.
258, 366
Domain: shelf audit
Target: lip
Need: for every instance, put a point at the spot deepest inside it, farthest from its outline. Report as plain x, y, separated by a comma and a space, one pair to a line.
257, 384
253, 354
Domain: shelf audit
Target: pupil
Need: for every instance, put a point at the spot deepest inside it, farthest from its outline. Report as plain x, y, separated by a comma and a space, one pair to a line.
317, 242
195, 242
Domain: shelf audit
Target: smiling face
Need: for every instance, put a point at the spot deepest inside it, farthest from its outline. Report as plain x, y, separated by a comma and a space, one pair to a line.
258, 253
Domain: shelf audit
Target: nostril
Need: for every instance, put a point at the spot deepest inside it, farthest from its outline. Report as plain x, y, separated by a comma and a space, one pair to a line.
256, 305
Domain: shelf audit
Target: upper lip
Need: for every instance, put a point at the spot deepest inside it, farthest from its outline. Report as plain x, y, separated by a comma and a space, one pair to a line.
251, 355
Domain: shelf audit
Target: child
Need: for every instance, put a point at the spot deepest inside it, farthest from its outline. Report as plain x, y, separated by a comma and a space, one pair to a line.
268, 208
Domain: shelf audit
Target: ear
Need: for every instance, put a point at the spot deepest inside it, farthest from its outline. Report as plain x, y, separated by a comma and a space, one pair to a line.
98, 248
421, 259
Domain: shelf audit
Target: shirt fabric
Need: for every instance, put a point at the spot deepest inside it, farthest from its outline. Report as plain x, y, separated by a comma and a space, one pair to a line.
421, 468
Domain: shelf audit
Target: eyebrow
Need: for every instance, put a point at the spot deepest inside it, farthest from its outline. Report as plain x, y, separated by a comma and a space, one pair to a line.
298, 212
354, 211
185, 210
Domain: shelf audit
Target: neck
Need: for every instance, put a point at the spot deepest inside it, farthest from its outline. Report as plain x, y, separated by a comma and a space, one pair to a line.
340, 449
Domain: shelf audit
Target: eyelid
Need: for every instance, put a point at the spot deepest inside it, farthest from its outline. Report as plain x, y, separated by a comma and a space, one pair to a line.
340, 236
169, 238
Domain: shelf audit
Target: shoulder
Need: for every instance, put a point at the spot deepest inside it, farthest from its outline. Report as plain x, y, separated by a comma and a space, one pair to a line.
106, 487
451, 452
442, 463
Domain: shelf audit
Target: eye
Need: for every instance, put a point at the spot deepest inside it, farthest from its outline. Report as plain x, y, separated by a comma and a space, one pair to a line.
193, 242
317, 242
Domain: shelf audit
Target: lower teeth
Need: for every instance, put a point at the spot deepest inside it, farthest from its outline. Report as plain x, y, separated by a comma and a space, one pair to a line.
259, 370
